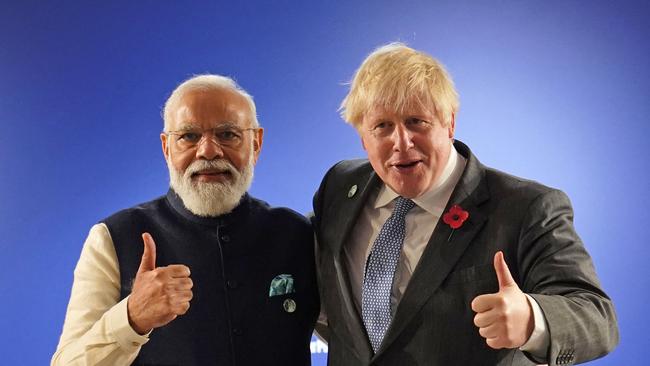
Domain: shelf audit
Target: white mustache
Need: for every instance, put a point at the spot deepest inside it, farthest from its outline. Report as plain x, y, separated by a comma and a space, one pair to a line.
200, 165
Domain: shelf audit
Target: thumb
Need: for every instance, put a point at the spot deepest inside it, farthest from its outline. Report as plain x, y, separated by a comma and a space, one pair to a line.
148, 262
503, 273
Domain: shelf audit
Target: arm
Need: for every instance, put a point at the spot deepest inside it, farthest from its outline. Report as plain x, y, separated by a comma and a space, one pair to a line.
557, 272
321, 326
96, 329
564, 317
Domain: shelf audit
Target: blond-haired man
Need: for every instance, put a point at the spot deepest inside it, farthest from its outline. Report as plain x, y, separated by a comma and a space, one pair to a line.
427, 257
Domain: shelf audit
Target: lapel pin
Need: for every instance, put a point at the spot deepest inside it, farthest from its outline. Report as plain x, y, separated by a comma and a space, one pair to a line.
352, 191
455, 218
289, 305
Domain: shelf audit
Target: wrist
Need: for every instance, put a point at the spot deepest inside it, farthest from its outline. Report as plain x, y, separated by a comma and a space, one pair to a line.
132, 321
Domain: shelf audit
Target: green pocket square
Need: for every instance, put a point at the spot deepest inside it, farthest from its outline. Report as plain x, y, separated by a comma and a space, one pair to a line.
281, 285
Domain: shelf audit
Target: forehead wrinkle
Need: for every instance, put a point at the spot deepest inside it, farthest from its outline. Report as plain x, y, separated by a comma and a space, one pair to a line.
212, 106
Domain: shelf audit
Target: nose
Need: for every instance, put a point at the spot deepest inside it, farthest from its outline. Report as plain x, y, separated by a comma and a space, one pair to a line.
402, 138
208, 149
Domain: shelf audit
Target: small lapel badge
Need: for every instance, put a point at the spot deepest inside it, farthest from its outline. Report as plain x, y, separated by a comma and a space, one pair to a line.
289, 305
352, 191
282, 284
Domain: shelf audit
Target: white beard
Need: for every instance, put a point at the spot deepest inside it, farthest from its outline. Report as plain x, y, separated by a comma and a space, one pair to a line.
215, 198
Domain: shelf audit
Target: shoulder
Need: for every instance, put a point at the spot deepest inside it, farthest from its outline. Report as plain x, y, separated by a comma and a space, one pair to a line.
349, 167
346, 172
136, 213
499, 181
287, 233
528, 197
502, 185
277, 214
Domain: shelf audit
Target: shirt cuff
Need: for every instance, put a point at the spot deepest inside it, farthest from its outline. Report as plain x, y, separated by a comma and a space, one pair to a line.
118, 325
537, 344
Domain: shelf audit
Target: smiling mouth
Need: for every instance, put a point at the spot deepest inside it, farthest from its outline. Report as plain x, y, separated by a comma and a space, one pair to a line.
403, 165
211, 174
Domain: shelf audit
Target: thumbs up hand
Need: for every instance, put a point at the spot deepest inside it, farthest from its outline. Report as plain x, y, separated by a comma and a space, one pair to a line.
505, 319
160, 294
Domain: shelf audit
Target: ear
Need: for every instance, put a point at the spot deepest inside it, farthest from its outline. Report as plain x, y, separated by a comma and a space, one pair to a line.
363, 138
164, 141
452, 125
257, 143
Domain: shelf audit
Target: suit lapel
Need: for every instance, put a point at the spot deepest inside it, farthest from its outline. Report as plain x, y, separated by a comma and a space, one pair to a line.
348, 208
444, 248
346, 216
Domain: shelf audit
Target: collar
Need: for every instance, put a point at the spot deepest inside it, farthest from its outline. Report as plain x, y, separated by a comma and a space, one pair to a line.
176, 203
431, 200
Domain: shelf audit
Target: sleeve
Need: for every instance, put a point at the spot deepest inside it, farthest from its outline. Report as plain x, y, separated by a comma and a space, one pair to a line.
321, 327
96, 329
559, 275
537, 344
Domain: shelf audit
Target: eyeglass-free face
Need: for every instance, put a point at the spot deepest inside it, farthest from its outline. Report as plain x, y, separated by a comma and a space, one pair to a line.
211, 124
407, 149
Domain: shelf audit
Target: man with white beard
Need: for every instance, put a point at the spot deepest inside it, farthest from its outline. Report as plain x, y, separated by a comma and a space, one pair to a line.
207, 274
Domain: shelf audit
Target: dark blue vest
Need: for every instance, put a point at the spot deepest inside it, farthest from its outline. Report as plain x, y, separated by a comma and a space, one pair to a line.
233, 258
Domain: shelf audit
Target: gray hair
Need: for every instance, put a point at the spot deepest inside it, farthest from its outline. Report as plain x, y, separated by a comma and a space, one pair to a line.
206, 82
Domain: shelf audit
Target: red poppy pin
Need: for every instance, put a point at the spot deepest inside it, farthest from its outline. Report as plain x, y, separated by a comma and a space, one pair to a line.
455, 218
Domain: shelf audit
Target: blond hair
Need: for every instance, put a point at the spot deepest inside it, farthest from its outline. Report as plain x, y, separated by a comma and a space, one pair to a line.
393, 76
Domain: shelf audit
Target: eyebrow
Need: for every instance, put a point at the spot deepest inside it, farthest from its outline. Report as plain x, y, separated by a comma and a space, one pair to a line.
193, 126
228, 124
188, 127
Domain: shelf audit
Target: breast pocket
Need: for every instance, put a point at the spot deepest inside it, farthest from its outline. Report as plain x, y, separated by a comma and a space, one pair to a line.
473, 281
450, 306
480, 273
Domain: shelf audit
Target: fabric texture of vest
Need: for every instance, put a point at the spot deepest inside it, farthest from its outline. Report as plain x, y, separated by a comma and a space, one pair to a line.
233, 260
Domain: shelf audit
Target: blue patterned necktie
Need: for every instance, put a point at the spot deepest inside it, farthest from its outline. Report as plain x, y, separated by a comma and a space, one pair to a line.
380, 270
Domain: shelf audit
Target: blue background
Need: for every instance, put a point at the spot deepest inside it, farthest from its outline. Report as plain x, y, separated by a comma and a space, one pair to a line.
556, 91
